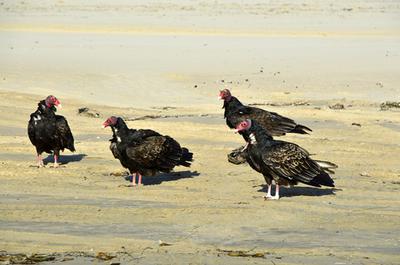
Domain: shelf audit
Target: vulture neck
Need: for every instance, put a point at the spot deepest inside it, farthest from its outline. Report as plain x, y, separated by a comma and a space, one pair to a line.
121, 129
46, 111
232, 104
258, 135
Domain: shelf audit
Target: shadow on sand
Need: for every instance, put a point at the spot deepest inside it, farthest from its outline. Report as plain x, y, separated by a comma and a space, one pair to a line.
160, 178
64, 159
301, 191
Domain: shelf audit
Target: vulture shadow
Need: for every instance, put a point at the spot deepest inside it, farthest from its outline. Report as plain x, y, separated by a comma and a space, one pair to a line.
160, 178
301, 191
64, 159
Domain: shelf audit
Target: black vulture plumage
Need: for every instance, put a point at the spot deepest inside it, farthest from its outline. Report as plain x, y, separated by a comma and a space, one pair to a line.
145, 152
49, 132
275, 124
282, 162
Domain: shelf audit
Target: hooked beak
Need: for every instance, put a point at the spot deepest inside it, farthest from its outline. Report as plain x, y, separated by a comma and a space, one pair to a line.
57, 103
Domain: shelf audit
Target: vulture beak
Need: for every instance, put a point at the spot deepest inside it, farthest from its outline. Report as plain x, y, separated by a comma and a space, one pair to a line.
57, 103
219, 96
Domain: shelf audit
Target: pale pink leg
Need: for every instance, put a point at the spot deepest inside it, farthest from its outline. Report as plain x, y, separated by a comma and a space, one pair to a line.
133, 179
140, 179
39, 160
56, 161
269, 192
276, 197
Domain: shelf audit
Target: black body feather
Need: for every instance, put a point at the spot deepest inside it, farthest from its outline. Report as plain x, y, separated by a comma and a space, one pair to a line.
49, 132
275, 124
285, 163
145, 151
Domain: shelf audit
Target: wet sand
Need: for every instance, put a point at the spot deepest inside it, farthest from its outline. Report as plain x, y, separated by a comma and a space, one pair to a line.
155, 64
215, 205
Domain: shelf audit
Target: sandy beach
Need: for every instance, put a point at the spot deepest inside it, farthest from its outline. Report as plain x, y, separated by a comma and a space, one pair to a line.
160, 65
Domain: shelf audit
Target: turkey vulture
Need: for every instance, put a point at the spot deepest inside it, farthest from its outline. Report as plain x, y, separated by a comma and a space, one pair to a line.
49, 132
274, 123
145, 152
282, 162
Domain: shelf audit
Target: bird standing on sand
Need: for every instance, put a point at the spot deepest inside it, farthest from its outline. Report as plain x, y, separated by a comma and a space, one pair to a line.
145, 152
49, 132
275, 124
282, 162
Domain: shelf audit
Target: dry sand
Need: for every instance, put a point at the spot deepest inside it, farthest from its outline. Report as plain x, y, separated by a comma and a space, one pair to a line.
170, 58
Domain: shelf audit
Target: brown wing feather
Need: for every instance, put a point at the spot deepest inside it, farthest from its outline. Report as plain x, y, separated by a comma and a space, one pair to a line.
114, 149
161, 152
275, 124
64, 133
289, 161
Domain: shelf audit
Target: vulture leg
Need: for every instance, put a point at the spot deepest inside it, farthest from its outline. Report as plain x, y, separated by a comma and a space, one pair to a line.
276, 197
133, 179
269, 192
39, 160
56, 155
140, 179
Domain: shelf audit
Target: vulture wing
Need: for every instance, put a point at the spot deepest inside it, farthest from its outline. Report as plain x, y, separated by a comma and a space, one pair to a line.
31, 130
290, 161
156, 152
64, 133
114, 149
275, 124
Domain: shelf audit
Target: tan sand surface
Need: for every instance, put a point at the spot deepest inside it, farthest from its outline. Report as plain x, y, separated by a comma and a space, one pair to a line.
168, 59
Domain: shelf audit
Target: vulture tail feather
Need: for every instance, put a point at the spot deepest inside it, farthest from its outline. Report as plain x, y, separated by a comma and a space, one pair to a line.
323, 179
301, 129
